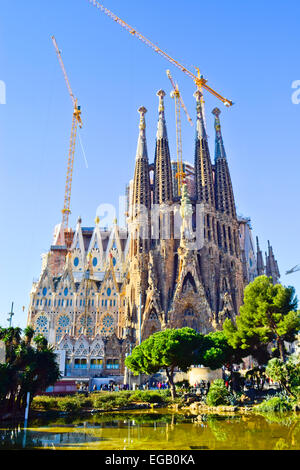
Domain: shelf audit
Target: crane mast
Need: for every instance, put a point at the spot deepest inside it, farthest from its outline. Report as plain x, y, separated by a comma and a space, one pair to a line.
76, 121
180, 175
199, 80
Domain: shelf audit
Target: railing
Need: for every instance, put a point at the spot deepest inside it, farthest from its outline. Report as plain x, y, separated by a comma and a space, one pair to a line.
112, 366
91, 371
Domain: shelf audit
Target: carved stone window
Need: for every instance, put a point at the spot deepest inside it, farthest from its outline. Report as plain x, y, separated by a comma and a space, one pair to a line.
153, 315
188, 312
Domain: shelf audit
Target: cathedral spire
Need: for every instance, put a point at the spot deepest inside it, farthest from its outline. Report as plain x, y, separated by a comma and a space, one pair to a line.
141, 193
219, 149
163, 188
259, 259
223, 186
203, 168
271, 265
200, 126
141, 151
161, 126
141, 184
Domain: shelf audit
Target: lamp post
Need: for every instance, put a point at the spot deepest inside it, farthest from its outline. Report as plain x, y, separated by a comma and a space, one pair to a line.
140, 319
128, 372
10, 315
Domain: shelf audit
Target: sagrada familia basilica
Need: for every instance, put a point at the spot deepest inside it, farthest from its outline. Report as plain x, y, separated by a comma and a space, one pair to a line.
181, 260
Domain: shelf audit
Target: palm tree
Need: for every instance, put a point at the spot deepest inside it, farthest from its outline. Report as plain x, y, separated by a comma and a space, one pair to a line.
28, 368
28, 334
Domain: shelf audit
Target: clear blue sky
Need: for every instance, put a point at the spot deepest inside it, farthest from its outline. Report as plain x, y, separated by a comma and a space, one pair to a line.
248, 51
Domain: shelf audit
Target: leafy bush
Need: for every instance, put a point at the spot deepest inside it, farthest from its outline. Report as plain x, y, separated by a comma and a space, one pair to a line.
218, 394
100, 400
286, 373
69, 405
84, 402
111, 400
277, 403
149, 396
121, 401
109, 405
44, 403
166, 394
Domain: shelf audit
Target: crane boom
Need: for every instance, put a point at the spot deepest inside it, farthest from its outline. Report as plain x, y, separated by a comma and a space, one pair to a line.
63, 70
200, 82
294, 269
76, 120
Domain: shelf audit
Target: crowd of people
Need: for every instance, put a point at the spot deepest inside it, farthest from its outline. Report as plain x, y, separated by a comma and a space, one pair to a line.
110, 387
113, 387
201, 387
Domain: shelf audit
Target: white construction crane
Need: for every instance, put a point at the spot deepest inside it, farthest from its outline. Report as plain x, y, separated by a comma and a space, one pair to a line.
294, 269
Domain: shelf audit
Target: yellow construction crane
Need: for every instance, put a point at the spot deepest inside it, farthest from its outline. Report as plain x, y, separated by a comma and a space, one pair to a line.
199, 80
75, 121
180, 175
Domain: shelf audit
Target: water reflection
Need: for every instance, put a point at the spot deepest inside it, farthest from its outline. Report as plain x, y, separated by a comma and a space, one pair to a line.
158, 430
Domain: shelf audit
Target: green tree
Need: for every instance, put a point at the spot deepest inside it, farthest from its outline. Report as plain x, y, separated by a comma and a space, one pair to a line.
169, 349
267, 314
30, 367
181, 348
218, 352
287, 374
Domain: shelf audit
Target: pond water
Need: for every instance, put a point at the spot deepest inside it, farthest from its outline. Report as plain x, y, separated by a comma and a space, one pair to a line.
157, 430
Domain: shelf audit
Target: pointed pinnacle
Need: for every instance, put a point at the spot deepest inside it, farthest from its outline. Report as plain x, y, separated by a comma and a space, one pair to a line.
161, 95
216, 112
198, 95
142, 110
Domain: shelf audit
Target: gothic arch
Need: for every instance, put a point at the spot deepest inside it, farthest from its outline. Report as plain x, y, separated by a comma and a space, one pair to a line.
189, 280
151, 324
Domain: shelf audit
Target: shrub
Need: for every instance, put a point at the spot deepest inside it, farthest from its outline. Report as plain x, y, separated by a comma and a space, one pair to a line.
108, 405
277, 403
166, 394
286, 373
218, 394
100, 399
44, 403
120, 401
69, 405
149, 396
84, 402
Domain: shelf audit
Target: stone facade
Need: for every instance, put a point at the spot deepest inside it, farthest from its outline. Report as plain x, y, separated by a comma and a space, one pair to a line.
182, 260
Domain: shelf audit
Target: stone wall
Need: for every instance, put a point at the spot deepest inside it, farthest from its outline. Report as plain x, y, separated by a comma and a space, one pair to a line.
196, 374
203, 373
